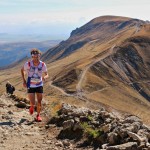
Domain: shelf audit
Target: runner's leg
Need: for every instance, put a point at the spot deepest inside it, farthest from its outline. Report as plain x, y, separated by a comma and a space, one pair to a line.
32, 102
31, 97
39, 100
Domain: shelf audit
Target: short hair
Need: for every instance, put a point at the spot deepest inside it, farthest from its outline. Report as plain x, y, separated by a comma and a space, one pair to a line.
35, 50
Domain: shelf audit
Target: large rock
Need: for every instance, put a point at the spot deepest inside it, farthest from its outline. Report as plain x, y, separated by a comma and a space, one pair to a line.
126, 146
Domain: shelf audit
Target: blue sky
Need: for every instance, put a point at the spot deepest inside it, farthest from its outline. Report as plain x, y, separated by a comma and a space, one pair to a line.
60, 17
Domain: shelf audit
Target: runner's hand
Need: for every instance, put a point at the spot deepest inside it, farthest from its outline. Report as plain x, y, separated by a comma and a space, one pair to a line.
43, 79
24, 84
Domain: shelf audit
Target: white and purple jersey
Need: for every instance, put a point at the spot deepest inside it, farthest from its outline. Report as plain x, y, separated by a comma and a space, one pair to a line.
34, 73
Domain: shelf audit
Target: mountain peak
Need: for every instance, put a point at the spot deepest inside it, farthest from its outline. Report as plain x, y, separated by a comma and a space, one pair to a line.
109, 18
109, 22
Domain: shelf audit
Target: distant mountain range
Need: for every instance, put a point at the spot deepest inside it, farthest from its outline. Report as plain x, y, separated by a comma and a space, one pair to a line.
12, 38
12, 52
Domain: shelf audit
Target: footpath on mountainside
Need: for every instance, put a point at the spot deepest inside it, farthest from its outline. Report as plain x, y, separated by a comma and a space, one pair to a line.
20, 131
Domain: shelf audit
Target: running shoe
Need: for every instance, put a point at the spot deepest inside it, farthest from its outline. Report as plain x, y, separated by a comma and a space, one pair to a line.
38, 118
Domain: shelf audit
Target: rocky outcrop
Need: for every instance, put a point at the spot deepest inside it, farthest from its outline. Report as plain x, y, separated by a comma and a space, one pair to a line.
19, 130
102, 129
20, 102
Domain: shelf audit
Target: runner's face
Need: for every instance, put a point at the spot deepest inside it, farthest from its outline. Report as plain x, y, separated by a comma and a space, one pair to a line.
35, 55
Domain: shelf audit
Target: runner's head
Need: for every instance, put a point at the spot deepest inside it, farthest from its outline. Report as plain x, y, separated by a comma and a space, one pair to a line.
35, 51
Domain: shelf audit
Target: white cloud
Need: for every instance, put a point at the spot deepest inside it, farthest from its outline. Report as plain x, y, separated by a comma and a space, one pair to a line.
66, 13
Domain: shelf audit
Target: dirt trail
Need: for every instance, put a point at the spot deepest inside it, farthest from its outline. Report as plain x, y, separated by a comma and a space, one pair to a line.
80, 94
20, 131
59, 89
78, 87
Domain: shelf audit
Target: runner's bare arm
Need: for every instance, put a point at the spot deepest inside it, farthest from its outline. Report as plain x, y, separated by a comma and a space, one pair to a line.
23, 77
45, 76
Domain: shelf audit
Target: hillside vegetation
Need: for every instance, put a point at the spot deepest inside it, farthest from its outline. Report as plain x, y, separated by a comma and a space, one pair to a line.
105, 62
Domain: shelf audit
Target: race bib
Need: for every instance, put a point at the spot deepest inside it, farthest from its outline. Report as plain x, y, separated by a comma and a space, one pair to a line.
35, 80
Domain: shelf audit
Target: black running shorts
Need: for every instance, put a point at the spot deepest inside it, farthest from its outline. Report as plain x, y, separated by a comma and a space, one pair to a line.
36, 89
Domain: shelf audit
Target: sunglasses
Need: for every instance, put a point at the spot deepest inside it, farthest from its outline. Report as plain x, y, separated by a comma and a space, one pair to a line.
35, 53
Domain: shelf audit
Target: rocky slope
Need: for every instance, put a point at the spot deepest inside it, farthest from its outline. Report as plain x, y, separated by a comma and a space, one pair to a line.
72, 128
19, 130
102, 129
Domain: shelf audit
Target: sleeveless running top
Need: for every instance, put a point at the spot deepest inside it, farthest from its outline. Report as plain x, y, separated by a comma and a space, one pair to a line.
34, 73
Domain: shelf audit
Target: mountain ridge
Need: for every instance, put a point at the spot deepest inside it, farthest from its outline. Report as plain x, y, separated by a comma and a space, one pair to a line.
76, 40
